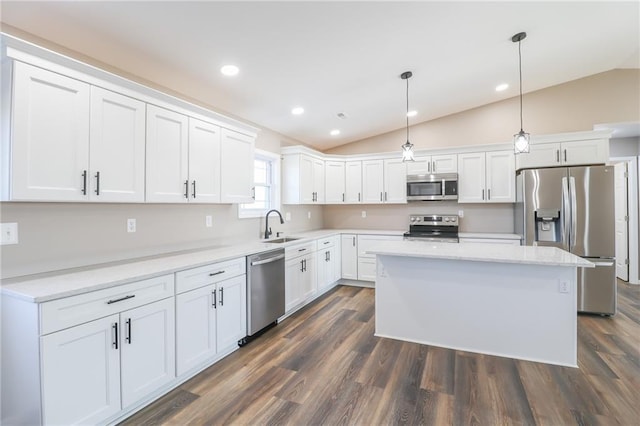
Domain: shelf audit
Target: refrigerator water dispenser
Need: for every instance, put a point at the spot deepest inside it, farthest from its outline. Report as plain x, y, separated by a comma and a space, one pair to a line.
547, 225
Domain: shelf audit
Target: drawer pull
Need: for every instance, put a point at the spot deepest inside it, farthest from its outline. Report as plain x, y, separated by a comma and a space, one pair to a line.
302, 249
216, 273
326, 242
131, 296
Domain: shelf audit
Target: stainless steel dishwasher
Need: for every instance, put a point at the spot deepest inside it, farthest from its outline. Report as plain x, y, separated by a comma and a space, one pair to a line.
265, 292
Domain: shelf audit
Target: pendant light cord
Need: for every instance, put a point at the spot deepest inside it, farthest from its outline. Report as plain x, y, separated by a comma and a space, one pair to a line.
407, 109
520, 66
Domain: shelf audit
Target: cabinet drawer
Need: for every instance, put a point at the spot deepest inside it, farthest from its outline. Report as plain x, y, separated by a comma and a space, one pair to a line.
327, 242
299, 250
63, 313
209, 274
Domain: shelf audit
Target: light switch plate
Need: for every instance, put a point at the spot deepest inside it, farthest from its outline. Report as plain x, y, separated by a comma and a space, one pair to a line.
287, 216
208, 221
9, 234
364, 213
131, 225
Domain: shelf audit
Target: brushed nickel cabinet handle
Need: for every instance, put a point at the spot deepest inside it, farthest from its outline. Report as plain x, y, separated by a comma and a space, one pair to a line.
97, 183
84, 182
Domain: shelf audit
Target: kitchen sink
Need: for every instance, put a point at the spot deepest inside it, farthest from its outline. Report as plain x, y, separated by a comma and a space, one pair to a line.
281, 240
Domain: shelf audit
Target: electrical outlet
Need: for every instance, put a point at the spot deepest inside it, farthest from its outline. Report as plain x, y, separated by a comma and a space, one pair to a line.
460, 213
208, 221
308, 215
9, 234
364, 213
563, 287
287, 216
131, 225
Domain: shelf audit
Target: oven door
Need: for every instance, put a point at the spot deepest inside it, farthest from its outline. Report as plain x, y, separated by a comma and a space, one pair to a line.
424, 190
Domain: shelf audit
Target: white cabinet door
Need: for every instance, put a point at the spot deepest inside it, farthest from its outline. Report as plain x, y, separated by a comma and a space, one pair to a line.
147, 340
395, 181
50, 136
318, 180
307, 190
334, 182
500, 177
335, 258
349, 256
236, 167
204, 162
324, 268
444, 163
372, 181
117, 147
353, 182
167, 156
308, 282
594, 151
420, 166
471, 177
293, 277
195, 328
540, 155
81, 373
231, 311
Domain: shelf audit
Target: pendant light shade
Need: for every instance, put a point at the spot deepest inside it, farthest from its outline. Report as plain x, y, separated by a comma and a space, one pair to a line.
520, 139
407, 148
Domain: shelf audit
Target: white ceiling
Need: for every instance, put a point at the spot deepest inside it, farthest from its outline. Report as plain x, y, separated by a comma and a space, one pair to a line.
332, 57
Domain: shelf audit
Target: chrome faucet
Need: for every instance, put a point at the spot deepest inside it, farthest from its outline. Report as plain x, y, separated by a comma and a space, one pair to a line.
267, 230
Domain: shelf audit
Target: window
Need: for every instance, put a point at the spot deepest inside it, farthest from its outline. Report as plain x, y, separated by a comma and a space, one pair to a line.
266, 185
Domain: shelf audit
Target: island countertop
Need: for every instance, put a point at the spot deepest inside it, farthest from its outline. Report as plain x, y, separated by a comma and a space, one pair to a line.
532, 255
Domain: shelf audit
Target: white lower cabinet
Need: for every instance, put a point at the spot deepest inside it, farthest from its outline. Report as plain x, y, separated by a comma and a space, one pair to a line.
92, 371
81, 373
328, 262
366, 261
349, 256
300, 275
210, 319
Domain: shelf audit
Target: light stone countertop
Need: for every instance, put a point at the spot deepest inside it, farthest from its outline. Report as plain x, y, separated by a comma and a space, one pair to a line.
44, 287
491, 235
58, 284
481, 252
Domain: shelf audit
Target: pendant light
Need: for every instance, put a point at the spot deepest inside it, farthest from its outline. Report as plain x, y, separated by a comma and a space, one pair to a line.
407, 148
520, 139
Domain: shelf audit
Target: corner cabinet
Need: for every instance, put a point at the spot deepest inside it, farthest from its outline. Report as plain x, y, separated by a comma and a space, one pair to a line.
304, 179
486, 177
335, 181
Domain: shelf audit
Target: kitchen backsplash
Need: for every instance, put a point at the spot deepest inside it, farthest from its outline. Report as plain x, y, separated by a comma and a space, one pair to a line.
55, 236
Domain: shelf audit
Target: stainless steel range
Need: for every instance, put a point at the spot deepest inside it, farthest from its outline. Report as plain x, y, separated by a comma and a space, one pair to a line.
432, 227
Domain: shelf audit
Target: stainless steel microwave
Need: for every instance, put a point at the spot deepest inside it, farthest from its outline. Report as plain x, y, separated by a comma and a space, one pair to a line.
435, 187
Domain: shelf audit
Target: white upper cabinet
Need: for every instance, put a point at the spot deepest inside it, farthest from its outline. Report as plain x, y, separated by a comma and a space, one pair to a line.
236, 167
384, 181
117, 147
353, 182
425, 165
204, 162
486, 177
167, 156
304, 179
570, 153
50, 137
334, 182
373, 181
395, 181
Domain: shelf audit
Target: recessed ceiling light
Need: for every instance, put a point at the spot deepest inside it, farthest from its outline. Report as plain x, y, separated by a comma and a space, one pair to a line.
501, 87
334, 132
230, 70
412, 113
297, 111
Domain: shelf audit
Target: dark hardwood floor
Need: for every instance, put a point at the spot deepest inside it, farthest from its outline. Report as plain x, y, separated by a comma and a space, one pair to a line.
324, 366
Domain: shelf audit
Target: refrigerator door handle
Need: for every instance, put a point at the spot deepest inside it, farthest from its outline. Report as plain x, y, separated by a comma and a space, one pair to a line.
566, 213
574, 222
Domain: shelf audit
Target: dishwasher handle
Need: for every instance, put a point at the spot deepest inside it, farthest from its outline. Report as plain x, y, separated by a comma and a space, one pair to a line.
268, 260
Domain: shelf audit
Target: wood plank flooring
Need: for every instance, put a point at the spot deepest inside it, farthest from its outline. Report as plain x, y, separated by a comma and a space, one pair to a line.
324, 366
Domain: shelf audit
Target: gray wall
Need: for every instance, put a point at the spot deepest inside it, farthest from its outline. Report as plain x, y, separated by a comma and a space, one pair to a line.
55, 236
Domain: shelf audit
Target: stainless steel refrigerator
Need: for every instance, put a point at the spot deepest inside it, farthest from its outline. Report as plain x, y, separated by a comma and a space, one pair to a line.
572, 208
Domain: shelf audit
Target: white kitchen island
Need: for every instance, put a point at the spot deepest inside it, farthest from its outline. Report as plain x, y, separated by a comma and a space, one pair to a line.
512, 301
